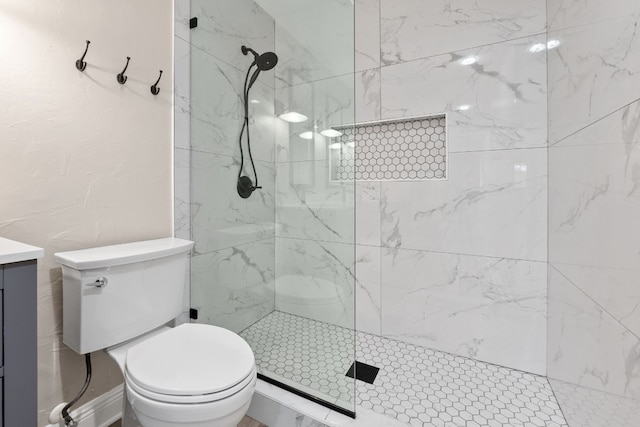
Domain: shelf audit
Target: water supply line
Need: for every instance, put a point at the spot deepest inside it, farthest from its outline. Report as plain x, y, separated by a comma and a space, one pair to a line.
68, 420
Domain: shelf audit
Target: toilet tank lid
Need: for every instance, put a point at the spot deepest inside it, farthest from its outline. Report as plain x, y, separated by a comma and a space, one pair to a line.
126, 253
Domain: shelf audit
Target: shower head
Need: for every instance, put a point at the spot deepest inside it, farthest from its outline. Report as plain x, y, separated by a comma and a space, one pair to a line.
264, 62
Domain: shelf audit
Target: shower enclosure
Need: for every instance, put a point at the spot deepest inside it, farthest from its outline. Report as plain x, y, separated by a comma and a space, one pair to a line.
497, 162
276, 265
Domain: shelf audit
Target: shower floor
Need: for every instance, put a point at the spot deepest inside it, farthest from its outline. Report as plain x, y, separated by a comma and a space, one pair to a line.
415, 385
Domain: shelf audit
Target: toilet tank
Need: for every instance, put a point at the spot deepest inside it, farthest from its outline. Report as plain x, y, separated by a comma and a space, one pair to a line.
144, 288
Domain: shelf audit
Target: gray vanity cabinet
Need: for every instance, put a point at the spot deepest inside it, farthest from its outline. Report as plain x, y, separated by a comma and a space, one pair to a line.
18, 358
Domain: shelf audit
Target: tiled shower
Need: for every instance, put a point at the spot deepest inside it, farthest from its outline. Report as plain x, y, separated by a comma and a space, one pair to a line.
518, 264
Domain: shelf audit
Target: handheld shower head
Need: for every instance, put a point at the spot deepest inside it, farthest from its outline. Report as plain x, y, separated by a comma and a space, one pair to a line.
264, 62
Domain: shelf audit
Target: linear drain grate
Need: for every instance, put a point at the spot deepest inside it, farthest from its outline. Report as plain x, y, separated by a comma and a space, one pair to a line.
363, 372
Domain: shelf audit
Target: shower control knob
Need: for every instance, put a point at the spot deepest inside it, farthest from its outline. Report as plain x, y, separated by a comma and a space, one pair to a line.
245, 187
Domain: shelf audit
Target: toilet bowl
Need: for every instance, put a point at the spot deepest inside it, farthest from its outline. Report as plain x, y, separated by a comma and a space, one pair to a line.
118, 299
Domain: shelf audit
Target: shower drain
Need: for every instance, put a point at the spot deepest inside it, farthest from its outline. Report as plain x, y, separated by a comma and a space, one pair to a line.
363, 372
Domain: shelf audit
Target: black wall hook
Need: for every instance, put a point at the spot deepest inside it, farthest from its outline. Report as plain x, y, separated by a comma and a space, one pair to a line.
80, 64
155, 89
122, 79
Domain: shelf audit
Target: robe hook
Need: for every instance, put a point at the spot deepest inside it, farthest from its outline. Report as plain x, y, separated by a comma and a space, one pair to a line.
155, 89
80, 64
122, 79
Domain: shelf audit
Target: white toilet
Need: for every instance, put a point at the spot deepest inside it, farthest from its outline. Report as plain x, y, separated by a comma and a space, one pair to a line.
119, 298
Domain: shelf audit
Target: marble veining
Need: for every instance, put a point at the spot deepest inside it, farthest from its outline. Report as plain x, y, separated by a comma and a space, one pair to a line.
595, 202
621, 126
182, 193
309, 48
325, 275
234, 287
327, 103
220, 218
368, 289
494, 96
310, 206
217, 109
368, 102
367, 34
449, 25
224, 26
368, 213
563, 14
587, 346
615, 290
590, 73
503, 190
472, 306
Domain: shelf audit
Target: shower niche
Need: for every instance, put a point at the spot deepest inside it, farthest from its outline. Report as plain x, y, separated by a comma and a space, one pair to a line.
392, 150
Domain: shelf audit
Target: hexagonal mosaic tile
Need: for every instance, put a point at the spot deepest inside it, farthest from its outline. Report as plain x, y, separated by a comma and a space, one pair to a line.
416, 385
584, 407
400, 150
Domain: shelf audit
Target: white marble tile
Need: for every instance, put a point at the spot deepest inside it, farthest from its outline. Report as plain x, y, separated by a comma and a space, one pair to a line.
497, 102
493, 204
218, 112
584, 407
368, 291
571, 13
225, 26
316, 280
594, 204
234, 287
621, 126
592, 73
444, 26
264, 410
310, 206
326, 103
615, 290
220, 218
367, 34
553, 7
181, 17
368, 213
475, 307
587, 346
182, 95
314, 39
367, 84
182, 193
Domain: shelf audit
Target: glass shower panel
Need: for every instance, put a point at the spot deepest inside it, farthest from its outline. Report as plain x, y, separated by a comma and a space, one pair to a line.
279, 266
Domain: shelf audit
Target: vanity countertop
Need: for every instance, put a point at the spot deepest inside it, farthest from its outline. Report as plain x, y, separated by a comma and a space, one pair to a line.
12, 251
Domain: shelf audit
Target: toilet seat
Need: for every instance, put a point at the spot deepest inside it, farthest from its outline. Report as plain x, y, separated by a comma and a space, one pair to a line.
191, 363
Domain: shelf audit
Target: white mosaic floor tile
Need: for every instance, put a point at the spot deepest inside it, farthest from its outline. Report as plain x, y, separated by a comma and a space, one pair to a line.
590, 408
415, 385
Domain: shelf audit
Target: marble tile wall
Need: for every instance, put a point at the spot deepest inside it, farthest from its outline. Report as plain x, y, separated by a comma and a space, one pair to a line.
232, 268
314, 214
435, 257
594, 159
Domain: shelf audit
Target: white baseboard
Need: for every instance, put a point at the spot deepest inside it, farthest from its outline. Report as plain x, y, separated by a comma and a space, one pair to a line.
102, 411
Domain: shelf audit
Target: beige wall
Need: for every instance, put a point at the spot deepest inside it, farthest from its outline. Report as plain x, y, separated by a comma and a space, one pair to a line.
84, 161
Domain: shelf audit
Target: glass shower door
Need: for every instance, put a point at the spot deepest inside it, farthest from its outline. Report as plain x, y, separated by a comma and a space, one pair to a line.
279, 266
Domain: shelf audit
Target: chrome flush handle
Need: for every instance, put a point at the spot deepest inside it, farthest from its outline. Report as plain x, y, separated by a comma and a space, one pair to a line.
99, 283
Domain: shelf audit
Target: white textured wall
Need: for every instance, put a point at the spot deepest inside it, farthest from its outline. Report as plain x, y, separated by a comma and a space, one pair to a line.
84, 161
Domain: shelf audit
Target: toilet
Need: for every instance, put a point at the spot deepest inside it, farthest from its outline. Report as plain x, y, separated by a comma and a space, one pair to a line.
119, 299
